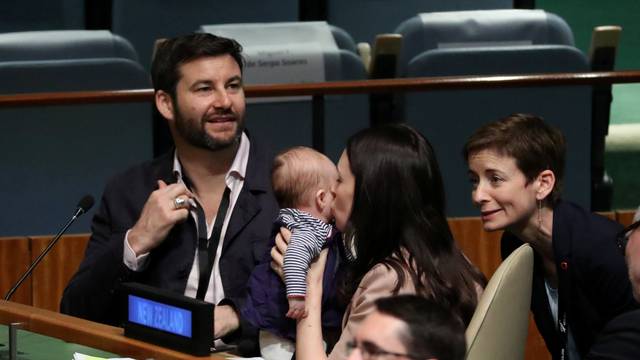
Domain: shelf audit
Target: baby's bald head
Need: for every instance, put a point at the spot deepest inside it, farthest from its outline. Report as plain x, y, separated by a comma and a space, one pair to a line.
298, 173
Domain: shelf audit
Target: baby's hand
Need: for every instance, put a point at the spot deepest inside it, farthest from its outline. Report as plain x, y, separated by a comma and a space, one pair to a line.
297, 309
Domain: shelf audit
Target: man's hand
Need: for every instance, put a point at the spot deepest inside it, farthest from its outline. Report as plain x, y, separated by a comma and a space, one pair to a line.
158, 216
225, 321
297, 309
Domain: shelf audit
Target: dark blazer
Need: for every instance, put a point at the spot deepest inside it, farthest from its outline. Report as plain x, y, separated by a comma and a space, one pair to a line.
620, 339
90, 293
593, 281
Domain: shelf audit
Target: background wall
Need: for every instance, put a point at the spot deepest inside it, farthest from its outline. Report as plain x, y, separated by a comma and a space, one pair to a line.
623, 143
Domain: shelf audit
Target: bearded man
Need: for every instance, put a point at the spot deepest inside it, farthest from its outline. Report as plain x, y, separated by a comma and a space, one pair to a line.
198, 219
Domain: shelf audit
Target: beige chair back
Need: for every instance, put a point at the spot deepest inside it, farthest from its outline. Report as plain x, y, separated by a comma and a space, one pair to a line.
498, 329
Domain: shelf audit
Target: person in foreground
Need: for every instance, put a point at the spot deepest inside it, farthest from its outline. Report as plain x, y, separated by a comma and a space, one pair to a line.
389, 203
197, 219
409, 327
620, 339
579, 283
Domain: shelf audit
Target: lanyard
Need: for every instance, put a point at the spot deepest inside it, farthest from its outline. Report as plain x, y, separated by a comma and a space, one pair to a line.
564, 291
207, 247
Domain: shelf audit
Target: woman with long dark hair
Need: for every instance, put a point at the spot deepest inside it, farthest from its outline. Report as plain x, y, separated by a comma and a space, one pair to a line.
390, 202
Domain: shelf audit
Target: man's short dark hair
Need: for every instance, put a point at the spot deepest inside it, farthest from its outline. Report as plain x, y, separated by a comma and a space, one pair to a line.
432, 328
172, 53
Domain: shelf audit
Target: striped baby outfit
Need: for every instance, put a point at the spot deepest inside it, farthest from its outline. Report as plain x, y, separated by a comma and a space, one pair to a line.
308, 235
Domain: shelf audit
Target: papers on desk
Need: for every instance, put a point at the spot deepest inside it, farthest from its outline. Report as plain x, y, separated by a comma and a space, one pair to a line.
78, 356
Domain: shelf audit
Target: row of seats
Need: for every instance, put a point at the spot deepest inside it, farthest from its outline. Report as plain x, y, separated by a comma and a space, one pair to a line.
93, 141
142, 21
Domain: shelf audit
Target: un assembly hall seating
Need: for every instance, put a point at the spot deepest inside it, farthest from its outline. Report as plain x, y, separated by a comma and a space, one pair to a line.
385, 15
57, 152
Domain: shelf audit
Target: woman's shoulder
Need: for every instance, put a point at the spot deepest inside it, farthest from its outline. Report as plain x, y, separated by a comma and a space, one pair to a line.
385, 277
380, 281
378, 272
570, 219
589, 239
566, 211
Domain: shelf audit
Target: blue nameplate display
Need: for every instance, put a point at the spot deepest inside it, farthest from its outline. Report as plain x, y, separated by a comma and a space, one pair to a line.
159, 316
168, 319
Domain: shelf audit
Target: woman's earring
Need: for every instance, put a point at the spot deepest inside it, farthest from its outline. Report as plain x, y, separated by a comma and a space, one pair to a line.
539, 214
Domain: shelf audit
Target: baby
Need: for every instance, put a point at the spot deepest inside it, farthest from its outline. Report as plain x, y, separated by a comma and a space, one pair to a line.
302, 181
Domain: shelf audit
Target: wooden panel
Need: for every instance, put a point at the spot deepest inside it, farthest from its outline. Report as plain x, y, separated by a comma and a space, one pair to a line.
14, 260
88, 333
625, 217
482, 248
53, 273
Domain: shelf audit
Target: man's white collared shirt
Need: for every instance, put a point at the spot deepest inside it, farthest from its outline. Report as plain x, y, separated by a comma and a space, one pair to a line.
234, 180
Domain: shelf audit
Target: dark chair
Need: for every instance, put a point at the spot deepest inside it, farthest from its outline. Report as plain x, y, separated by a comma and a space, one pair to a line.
364, 19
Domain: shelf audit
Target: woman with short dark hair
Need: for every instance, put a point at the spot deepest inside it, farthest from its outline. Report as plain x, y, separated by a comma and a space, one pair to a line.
580, 279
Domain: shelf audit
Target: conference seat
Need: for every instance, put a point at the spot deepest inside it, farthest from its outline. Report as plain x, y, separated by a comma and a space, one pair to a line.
54, 154
498, 328
64, 45
143, 21
329, 54
364, 19
460, 29
474, 43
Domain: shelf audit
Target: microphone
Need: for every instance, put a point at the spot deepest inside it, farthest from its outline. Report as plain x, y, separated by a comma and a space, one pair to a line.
83, 206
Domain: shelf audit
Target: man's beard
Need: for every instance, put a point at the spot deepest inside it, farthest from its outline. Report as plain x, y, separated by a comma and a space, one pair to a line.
195, 133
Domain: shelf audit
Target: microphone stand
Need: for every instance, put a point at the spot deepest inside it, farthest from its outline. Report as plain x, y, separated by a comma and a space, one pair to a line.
26, 274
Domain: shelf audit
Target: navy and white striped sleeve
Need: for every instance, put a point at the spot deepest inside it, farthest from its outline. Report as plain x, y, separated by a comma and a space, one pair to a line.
308, 236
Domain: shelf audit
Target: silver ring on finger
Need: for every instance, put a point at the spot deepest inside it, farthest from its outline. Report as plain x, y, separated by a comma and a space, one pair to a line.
178, 203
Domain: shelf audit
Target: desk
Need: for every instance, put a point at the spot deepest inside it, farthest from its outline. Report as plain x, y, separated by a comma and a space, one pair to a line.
47, 328
32, 346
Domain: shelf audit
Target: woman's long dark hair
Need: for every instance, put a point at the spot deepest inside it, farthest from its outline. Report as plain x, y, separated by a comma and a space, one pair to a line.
398, 218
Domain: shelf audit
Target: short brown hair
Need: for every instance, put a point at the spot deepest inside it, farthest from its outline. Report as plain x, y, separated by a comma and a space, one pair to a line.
295, 172
433, 330
535, 145
170, 54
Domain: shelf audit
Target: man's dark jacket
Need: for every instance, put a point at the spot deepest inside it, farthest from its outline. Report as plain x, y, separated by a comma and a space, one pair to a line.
91, 293
620, 339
